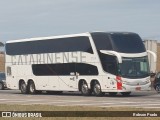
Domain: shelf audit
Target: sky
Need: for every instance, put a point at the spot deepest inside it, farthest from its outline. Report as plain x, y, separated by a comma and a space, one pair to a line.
21, 19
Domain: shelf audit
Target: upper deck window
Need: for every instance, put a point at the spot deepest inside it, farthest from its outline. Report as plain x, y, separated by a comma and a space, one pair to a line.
120, 42
71, 44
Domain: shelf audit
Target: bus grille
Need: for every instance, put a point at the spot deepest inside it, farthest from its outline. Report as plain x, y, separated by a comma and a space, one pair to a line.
136, 83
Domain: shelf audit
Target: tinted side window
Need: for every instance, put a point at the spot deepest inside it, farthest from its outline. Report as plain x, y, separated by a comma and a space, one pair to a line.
102, 41
63, 69
86, 69
109, 63
50, 46
53, 69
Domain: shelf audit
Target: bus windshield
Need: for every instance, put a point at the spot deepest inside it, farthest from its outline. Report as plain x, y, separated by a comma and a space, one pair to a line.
134, 67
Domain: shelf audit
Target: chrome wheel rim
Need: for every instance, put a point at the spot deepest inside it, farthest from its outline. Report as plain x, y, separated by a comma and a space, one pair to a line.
97, 89
32, 89
23, 87
84, 88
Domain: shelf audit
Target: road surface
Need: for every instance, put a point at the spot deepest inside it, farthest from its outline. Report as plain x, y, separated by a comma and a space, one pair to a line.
147, 99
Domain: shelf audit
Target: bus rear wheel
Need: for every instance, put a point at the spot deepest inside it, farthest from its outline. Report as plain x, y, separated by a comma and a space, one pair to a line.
23, 88
32, 89
84, 89
97, 89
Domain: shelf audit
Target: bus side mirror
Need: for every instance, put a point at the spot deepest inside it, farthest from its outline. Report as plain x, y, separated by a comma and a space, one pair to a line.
153, 54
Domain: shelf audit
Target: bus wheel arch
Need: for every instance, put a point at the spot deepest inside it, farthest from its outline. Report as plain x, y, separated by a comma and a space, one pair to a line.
23, 86
83, 87
96, 88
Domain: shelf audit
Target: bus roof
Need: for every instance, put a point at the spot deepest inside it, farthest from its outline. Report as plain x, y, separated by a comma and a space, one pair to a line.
65, 36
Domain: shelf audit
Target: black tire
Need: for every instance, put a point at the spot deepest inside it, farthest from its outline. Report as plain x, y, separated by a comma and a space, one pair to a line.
38, 92
125, 93
112, 93
157, 88
1, 86
32, 88
23, 88
84, 89
97, 89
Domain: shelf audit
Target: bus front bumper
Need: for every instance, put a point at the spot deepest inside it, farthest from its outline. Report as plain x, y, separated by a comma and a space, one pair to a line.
146, 87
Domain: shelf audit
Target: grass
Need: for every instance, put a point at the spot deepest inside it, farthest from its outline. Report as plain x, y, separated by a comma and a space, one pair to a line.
16, 107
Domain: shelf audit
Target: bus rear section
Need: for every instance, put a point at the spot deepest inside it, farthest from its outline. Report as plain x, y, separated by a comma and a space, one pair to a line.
53, 64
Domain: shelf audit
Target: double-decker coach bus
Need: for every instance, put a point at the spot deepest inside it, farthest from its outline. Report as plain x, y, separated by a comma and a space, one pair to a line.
92, 63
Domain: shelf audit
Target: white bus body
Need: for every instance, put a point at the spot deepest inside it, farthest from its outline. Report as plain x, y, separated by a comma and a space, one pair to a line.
95, 63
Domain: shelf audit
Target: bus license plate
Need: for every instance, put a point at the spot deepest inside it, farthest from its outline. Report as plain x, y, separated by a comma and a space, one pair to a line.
138, 88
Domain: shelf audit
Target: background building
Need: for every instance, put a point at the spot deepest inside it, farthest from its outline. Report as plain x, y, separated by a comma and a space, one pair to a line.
154, 46
151, 45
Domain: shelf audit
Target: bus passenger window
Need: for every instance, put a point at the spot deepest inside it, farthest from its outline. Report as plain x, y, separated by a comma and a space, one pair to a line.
109, 63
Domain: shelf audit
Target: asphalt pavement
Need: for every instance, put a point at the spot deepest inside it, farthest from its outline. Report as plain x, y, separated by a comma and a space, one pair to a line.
142, 99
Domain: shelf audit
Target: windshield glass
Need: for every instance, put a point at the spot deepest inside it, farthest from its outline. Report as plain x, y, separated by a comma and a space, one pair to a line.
134, 67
